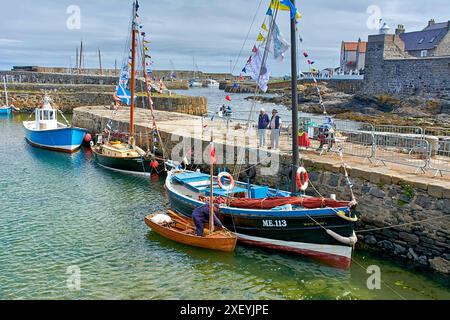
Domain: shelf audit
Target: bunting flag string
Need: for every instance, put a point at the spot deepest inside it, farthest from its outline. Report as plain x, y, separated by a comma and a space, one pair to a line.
261, 38
264, 27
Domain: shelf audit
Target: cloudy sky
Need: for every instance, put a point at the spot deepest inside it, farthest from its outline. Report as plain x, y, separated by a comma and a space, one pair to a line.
35, 32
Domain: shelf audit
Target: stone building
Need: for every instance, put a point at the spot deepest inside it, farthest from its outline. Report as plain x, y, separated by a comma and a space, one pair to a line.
353, 56
432, 41
395, 63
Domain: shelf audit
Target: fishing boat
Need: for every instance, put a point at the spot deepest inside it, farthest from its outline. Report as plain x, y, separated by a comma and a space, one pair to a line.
47, 133
6, 109
126, 156
288, 221
211, 83
180, 229
195, 83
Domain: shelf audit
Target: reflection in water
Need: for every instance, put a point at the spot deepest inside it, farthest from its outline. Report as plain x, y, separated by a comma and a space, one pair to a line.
59, 210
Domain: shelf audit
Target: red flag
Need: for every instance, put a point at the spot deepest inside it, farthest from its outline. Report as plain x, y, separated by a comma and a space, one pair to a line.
254, 49
212, 153
241, 77
305, 54
228, 98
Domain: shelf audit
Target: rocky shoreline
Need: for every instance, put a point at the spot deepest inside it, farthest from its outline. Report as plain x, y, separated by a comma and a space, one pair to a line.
375, 109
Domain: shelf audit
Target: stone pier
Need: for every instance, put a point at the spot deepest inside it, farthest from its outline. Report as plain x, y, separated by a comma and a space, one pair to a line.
401, 214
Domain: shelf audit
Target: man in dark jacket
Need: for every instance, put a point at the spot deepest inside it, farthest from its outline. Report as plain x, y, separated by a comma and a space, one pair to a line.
275, 127
263, 122
201, 215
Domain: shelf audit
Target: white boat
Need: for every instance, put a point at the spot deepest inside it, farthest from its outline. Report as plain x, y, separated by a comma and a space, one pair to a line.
6, 109
195, 83
47, 133
211, 83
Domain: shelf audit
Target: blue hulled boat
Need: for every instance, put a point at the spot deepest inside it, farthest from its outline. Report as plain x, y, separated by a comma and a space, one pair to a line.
5, 110
47, 133
319, 228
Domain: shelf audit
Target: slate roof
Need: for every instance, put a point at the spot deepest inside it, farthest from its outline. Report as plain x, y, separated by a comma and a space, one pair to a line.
423, 40
434, 26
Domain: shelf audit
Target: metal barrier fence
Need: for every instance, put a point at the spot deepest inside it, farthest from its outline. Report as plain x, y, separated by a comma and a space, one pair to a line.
398, 129
408, 151
386, 144
437, 132
441, 161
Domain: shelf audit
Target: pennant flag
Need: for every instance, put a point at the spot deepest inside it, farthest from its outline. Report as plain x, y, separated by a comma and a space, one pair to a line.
146, 49
244, 70
261, 38
258, 72
143, 34
146, 41
249, 59
228, 98
147, 56
254, 49
137, 5
300, 38
286, 5
264, 27
305, 54
269, 12
241, 77
212, 154
280, 45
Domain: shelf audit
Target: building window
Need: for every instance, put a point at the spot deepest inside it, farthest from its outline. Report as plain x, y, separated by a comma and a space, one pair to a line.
424, 53
421, 40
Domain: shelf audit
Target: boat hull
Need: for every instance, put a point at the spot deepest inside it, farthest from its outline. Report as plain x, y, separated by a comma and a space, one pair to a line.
215, 242
62, 139
5, 111
293, 232
132, 165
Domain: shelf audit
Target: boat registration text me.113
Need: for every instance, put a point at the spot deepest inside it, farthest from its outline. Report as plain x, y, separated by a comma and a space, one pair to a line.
275, 223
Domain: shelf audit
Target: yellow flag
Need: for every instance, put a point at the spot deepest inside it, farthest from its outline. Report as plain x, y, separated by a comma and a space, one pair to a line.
264, 27
261, 38
276, 3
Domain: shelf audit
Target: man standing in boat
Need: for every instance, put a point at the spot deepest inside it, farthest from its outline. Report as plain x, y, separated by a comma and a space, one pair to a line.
201, 215
275, 127
263, 122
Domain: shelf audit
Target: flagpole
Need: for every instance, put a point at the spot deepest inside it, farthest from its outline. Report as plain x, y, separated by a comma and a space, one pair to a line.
295, 150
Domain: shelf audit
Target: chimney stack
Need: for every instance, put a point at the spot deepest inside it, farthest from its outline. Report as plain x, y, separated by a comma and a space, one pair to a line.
431, 22
400, 29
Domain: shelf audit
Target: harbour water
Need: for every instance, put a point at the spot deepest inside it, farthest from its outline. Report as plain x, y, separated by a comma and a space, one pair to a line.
60, 211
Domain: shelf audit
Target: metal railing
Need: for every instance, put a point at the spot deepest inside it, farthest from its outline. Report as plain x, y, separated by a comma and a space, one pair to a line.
440, 162
412, 146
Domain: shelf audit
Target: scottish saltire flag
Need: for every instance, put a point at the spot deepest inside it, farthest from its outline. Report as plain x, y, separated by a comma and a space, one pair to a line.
124, 75
280, 45
258, 72
123, 94
286, 5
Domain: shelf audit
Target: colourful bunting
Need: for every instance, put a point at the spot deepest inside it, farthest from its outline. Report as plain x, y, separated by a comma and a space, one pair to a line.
264, 27
261, 38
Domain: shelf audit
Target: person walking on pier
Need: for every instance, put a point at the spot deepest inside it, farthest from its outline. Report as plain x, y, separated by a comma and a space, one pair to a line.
275, 127
263, 123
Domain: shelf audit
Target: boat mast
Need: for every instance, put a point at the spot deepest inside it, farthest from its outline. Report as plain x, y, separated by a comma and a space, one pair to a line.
133, 74
295, 151
6, 92
211, 190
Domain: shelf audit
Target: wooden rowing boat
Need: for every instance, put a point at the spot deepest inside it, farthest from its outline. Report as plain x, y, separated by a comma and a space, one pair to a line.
182, 230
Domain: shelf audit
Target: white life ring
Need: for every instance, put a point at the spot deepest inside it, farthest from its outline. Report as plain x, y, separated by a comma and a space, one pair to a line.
228, 176
302, 178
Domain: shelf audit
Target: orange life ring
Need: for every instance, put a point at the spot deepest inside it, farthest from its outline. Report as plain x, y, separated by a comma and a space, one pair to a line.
302, 178
229, 177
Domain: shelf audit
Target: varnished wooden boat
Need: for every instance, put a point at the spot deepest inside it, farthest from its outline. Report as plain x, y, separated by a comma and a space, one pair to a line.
182, 230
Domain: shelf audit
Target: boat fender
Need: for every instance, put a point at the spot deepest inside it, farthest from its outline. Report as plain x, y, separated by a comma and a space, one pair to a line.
302, 178
342, 215
91, 144
161, 218
350, 241
228, 176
